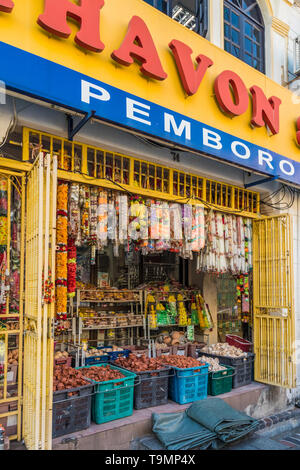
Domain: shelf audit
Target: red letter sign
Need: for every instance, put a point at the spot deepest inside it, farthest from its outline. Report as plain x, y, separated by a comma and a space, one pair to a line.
265, 111
138, 44
231, 93
6, 5
190, 78
87, 13
298, 130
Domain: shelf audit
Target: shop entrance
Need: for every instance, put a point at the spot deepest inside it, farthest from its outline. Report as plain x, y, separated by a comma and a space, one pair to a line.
117, 287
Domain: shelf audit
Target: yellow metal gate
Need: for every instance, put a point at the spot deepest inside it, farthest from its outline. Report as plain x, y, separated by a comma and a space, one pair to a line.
12, 208
39, 303
274, 329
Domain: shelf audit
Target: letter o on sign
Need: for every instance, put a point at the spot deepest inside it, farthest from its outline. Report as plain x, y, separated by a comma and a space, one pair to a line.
240, 150
287, 167
231, 93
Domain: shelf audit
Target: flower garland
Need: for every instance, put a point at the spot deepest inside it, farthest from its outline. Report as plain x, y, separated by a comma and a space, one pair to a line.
62, 253
85, 212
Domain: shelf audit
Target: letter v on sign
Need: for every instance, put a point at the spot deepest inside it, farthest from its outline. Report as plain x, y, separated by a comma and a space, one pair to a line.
6, 5
191, 78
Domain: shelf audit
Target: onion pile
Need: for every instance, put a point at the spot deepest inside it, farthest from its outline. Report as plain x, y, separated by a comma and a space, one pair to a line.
182, 362
65, 377
102, 374
139, 364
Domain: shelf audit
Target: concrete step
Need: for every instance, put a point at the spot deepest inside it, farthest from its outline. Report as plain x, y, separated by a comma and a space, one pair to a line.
123, 434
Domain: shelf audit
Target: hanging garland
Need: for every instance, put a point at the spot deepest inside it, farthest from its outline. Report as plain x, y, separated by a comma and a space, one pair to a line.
62, 253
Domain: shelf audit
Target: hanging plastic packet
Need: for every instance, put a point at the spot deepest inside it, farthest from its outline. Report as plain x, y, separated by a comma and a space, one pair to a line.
74, 214
138, 220
102, 219
164, 227
123, 217
93, 215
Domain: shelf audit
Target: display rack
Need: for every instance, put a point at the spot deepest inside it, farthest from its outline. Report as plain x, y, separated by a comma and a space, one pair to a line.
109, 309
188, 296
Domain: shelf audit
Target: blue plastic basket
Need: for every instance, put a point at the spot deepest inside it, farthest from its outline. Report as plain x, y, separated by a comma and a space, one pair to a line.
114, 355
188, 385
112, 399
94, 360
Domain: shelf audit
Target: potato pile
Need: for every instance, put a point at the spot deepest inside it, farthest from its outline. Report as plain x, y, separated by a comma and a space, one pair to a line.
224, 349
61, 355
139, 364
102, 374
65, 377
96, 352
13, 356
214, 365
182, 362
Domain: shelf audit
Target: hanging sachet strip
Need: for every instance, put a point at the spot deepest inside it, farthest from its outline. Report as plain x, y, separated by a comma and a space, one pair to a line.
102, 219
74, 213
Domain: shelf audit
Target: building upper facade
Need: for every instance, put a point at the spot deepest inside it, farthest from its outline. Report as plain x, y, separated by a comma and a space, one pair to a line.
263, 33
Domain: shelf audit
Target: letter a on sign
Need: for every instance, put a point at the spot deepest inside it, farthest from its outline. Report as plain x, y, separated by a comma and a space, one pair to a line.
138, 44
87, 13
6, 5
191, 78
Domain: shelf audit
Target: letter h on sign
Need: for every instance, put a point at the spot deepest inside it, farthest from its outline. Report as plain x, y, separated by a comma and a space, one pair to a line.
6, 5
87, 13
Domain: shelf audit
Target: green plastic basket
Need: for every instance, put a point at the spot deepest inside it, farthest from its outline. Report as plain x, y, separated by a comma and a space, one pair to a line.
221, 381
112, 399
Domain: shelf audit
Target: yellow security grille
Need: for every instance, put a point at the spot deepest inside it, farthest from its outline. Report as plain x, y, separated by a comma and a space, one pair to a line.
151, 176
274, 332
11, 319
69, 153
88, 164
39, 310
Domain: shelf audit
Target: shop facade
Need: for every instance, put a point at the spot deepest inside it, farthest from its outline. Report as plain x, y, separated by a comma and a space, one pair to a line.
122, 181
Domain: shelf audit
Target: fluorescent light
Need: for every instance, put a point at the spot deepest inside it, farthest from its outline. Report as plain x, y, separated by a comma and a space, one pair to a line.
184, 16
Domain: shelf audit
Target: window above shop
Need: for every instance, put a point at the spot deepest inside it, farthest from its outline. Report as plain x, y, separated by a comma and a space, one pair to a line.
244, 32
193, 14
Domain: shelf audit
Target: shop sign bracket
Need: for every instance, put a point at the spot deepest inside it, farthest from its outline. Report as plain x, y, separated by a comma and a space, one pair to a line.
72, 131
265, 180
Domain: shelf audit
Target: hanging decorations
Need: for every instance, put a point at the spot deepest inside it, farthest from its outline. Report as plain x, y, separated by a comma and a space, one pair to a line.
85, 202
102, 220
72, 252
62, 253
74, 213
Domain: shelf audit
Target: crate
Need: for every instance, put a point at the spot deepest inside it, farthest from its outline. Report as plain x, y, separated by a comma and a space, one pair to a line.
220, 382
188, 385
164, 351
180, 350
113, 399
239, 342
151, 388
63, 361
114, 355
138, 350
193, 349
90, 361
71, 413
242, 365
10, 423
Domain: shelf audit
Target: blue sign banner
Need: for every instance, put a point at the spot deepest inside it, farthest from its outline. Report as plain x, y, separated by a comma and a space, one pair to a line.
40, 78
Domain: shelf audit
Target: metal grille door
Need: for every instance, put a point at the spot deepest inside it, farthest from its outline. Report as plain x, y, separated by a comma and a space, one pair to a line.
274, 329
39, 303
